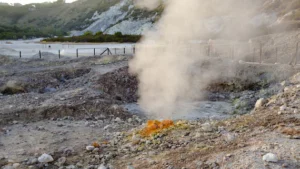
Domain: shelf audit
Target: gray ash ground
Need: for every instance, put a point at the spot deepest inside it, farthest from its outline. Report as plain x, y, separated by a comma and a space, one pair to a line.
59, 107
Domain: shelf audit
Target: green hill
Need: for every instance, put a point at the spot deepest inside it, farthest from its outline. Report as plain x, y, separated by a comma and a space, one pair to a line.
55, 15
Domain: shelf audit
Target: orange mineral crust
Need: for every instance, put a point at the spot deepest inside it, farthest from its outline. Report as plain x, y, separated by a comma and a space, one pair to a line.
155, 126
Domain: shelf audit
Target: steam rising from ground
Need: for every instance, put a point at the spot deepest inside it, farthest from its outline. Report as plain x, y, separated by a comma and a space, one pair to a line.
168, 63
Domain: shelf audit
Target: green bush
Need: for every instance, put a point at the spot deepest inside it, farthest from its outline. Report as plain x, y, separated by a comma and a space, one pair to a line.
99, 33
98, 37
14, 32
88, 33
118, 34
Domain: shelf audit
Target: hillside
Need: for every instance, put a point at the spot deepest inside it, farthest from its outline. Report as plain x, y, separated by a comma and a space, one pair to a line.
54, 15
110, 16
75, 16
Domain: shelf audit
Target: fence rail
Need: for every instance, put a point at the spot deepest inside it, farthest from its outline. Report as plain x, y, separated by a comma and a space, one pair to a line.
79, 52
286, 53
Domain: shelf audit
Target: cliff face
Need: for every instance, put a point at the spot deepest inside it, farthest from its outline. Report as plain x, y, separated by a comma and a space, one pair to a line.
122, 17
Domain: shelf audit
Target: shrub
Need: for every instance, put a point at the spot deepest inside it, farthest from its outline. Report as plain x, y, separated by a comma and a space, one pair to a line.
118, 34
97, 38
88, 33
99, 33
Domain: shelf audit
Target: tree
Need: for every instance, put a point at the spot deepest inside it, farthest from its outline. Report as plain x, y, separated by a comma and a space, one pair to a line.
99, 33
88, 33
61, 1
118, 34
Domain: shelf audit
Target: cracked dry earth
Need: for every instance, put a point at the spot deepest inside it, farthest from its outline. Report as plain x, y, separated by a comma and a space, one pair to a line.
73, 111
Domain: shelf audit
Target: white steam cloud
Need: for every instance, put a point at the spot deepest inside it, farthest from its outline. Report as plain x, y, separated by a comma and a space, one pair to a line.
169, 63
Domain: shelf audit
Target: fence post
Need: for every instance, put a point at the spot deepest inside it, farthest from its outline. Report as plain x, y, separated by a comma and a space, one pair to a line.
94, 51
254, 50
124, 51
77, 53
115, 51
59, 54
107, 51
296, 56
276, 54
133, 50
20, 54
208, 50
40, 53
233, 51
260, 52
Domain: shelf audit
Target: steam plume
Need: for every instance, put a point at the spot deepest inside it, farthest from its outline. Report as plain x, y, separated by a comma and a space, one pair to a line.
168, 63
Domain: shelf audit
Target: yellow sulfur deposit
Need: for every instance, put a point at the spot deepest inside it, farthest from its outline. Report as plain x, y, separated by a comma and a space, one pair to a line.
155, 126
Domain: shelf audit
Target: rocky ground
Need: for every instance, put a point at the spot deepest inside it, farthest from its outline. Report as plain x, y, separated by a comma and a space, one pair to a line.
78, 114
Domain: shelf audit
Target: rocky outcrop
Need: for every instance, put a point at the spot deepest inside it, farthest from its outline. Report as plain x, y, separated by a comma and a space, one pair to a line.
123, 17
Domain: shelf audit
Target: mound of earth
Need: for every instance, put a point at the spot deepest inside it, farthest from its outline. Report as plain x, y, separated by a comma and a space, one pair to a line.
120, 84
81, 123
12, 87
271, 130
5, 60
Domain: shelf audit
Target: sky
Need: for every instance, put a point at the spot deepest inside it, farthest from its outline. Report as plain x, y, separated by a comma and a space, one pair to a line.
30, 1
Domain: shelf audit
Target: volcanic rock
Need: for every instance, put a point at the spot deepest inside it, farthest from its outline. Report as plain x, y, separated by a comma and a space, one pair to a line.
270, 157
45, 158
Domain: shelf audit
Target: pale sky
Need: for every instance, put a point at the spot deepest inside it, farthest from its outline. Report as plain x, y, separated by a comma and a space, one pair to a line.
31, 1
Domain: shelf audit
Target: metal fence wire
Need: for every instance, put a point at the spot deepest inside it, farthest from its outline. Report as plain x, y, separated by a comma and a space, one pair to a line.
75, 53
285, 53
